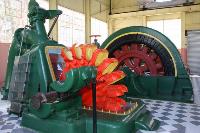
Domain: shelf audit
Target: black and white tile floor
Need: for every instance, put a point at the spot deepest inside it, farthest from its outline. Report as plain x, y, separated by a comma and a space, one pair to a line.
175, 118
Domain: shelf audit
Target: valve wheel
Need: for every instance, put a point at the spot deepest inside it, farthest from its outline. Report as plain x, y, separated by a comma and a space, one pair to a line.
140, 59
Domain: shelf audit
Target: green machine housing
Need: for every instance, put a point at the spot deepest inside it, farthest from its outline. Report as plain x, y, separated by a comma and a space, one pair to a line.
152, 63
48, 105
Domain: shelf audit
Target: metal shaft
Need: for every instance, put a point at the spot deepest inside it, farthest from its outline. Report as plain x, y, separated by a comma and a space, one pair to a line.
54, 22
94, 105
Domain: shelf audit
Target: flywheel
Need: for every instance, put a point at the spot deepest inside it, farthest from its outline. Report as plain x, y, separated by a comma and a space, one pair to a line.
143, 55
145, 51
140, 59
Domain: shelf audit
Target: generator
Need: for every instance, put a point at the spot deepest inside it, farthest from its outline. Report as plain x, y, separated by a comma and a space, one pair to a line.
152, 63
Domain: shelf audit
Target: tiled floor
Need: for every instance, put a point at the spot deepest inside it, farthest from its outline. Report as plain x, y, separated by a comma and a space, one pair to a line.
174, 117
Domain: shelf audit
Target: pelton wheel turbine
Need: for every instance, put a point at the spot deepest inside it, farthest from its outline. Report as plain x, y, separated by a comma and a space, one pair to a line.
108, 93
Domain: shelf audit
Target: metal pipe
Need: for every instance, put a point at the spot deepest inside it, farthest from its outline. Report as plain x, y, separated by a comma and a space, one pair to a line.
94, 105
155, 8
54, 22
110, 11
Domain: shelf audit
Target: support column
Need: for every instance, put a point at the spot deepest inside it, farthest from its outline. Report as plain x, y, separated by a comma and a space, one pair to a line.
144, 21
110, 28
87, 11
53, 6
183, 39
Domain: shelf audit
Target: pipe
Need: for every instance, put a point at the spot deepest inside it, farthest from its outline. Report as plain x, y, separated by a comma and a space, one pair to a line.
110, 11
54, 22
155, 8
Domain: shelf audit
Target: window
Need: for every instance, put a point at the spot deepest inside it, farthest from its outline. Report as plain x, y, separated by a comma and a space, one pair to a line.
71, 27
13, 15
99, 28
170, 28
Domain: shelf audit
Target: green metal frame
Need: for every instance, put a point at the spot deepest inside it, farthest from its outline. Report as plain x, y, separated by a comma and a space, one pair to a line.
175, 88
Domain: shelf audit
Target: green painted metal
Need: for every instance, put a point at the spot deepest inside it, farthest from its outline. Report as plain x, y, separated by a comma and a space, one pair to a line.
158, 87
76, 79
65, 114
47, 110
27, 38
176, 87
13, 51
76, 122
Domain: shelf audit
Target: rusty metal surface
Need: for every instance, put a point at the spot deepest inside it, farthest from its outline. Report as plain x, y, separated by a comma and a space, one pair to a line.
4, 48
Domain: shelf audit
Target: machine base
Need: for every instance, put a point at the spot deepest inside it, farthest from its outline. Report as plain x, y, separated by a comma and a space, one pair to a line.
168, 88
139, 118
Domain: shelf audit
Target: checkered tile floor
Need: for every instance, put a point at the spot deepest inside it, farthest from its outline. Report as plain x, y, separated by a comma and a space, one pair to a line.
174, 117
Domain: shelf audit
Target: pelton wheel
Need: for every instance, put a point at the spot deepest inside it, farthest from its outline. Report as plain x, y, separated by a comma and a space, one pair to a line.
108, 94
140, 59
